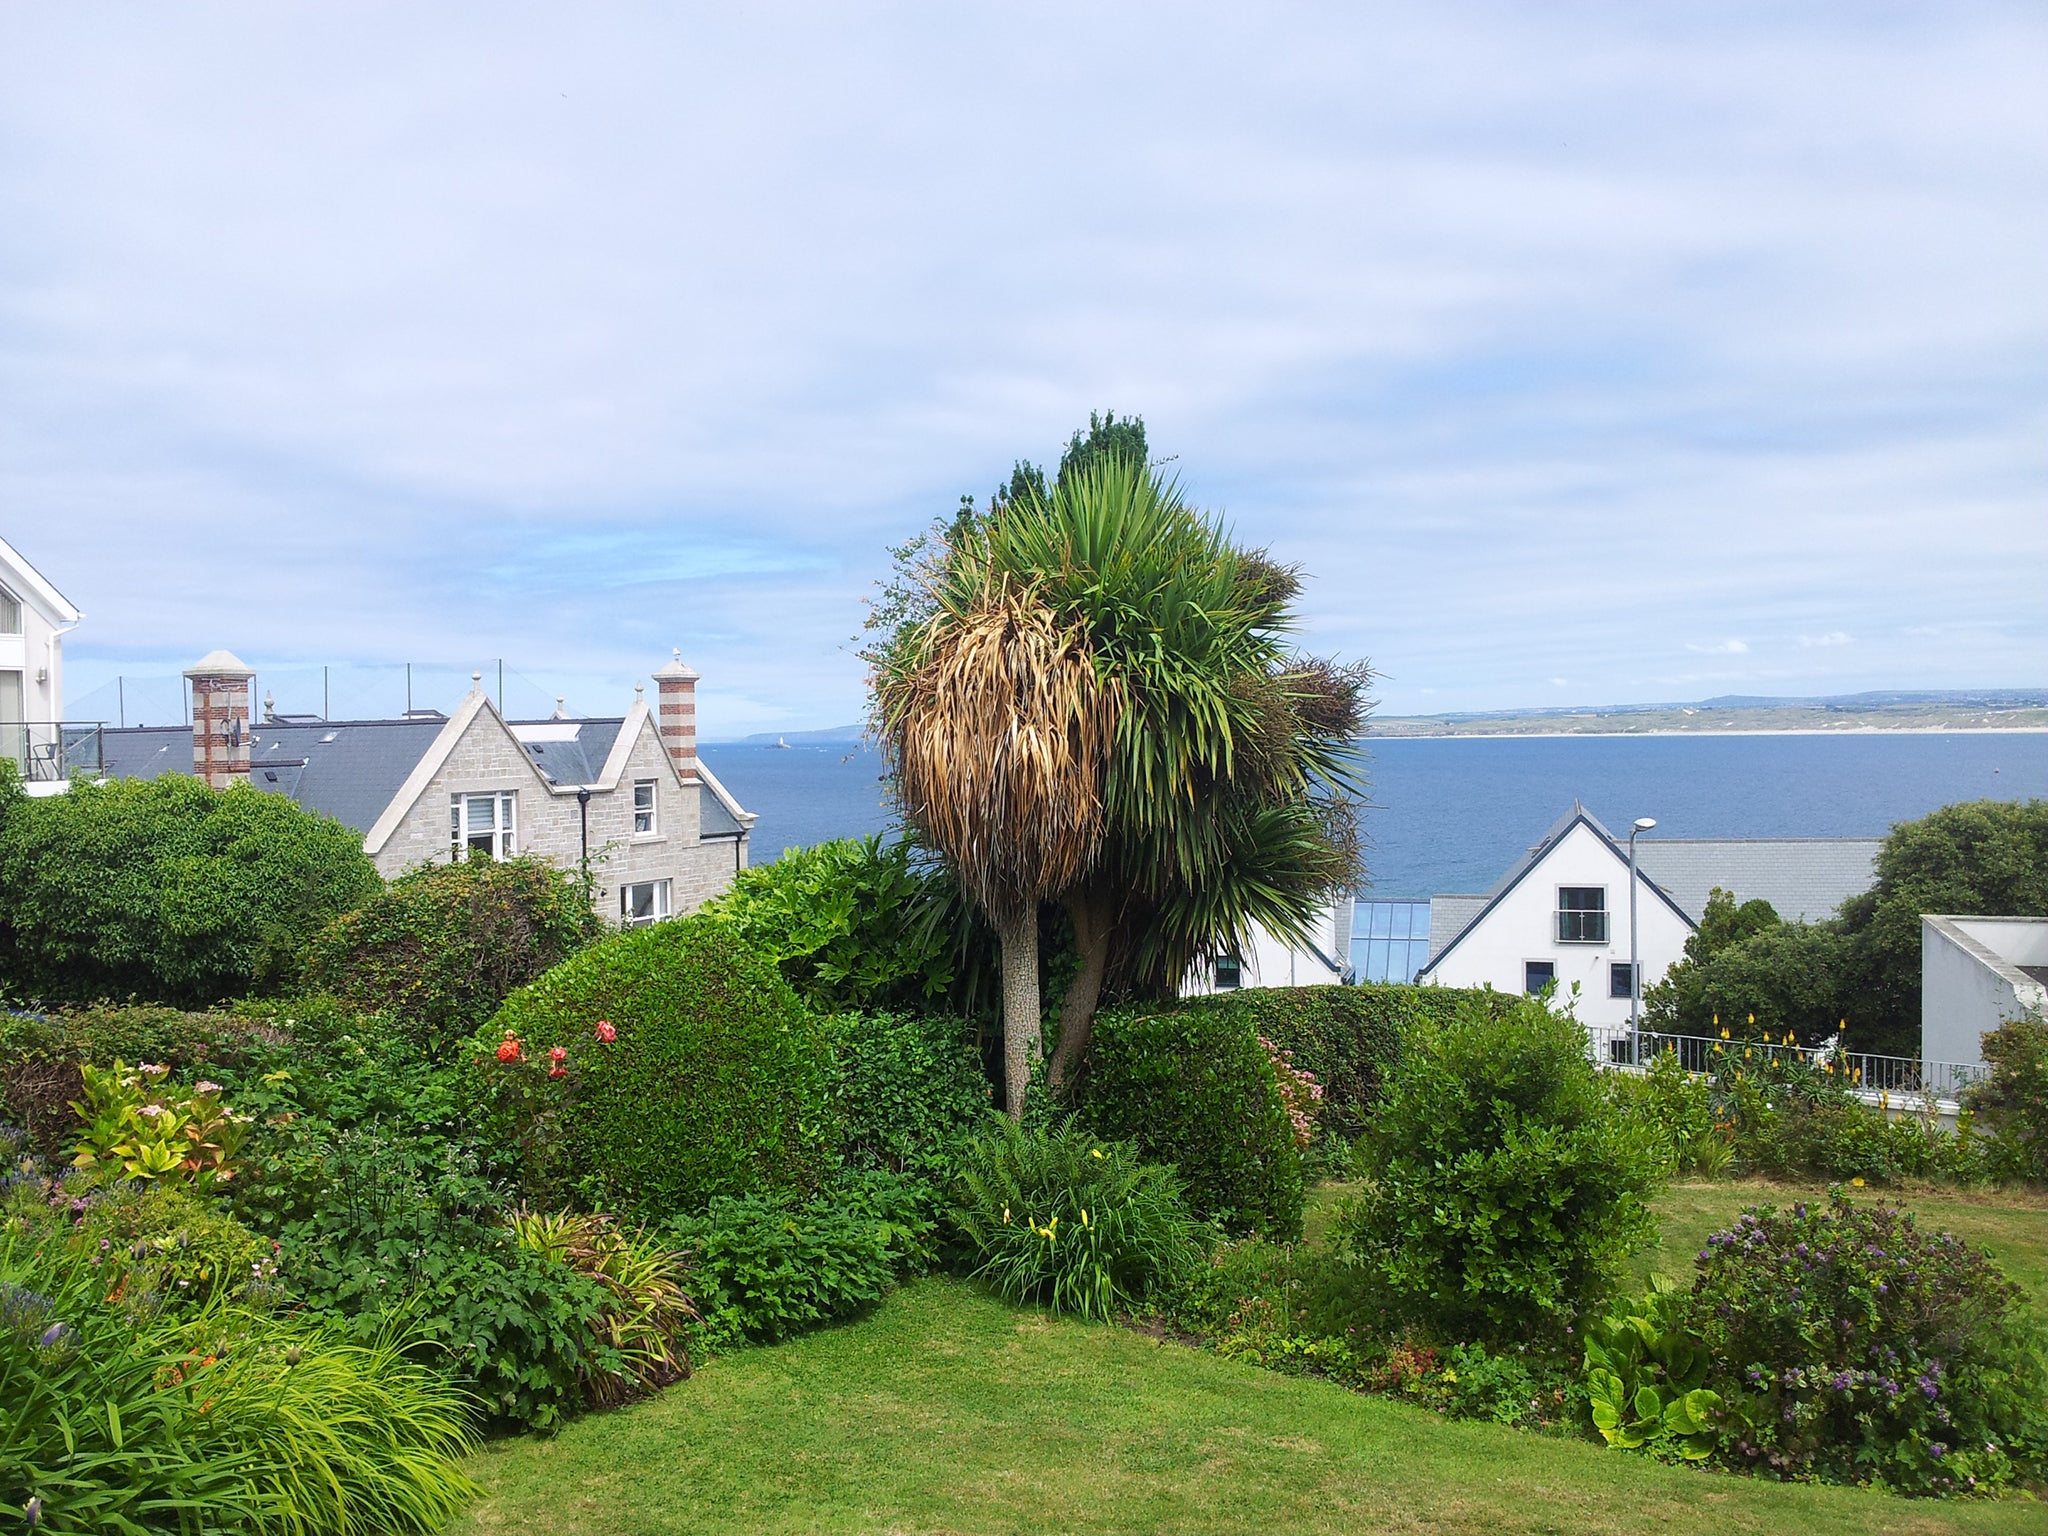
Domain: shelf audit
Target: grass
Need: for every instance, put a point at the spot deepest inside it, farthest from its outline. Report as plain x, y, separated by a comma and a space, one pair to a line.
947, 1411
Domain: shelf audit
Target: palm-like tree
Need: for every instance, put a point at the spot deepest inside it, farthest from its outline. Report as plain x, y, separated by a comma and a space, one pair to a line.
999, 728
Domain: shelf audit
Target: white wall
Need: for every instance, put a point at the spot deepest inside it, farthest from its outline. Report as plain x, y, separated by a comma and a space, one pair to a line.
1523, 927
1270, 961
1970, 984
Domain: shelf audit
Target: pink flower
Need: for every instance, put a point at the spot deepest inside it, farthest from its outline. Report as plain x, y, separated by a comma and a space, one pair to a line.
558, 1071
558, 1054
605, 1032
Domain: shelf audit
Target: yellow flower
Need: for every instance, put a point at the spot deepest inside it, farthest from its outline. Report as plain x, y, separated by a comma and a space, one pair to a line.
1084, 1215
1752, 1019
1095, 1151
1006, 1215
1858, 1182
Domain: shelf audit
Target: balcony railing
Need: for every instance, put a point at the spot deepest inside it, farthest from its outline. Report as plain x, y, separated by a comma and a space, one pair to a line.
1863, 1070
54, 752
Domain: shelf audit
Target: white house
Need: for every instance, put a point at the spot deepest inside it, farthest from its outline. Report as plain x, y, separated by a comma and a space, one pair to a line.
625, 797
34, 618
1977, 973
1561, 913
1271, 961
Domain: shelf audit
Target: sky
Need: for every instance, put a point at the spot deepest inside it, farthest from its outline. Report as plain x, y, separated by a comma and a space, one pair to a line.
1579, 353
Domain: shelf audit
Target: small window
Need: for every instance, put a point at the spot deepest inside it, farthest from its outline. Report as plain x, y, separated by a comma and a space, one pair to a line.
643, 903
1229, 973
483, 826
1581, 914
1536, 975
10, 613
643, 808
1619, 978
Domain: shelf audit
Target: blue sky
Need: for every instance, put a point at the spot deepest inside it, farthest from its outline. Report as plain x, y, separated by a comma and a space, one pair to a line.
1581, 353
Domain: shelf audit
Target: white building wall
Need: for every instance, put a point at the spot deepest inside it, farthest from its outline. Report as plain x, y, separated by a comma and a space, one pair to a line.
1523, 927
1970, 982
1270, 961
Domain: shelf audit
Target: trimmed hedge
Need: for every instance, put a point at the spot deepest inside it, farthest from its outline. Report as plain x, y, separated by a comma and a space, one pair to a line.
717, 1080
442, 947
1193, 1087
1349, 1038
908, 1091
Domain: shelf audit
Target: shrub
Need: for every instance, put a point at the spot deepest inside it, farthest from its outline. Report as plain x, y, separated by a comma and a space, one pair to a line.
2013, 1100
907, 1090
1195, 1088
1505, 1186
124, 1418
1645, 1378
166, 889
148, 1241
1676, 1108
138, 1125
1852, 1346
770, 1269
637, 1343
442, 947
1348, 1038
708, 1076
1061, 1217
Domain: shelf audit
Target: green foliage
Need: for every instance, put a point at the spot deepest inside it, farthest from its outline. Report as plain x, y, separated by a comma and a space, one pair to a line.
2013, 1100
1347, 1037
637, 1340
716, 1079
908, 1091
768, 1269
1195, 1088
152, 1241
1853, 1347
1646, 1375
1061, 1217
853, 924
166, 889
439, 949
126, 1418
1676, 1108
139, 1126
1797, 977
1506, 1189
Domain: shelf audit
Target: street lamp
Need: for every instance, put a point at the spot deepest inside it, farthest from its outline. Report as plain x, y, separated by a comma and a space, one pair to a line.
1635, 961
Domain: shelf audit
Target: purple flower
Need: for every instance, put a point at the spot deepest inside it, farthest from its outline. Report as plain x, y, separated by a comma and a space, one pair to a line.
55, 1334
33, 1509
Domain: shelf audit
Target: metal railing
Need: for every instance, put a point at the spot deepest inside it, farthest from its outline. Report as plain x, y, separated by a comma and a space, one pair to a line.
54, 751
1864, 1071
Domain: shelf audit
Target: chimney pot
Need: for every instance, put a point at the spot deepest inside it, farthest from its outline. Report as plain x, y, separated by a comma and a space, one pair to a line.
220, 718
677, 687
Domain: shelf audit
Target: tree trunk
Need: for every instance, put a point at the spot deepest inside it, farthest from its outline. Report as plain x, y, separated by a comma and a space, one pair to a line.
1089, 911
1018, 933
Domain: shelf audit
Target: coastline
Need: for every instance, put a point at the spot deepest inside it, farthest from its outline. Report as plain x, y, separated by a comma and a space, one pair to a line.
1790, 730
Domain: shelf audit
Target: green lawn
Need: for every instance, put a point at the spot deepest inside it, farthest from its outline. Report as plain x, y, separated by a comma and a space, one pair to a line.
948, 1412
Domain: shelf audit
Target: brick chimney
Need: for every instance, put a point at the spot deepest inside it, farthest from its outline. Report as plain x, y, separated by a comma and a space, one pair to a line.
678, 716
220, 719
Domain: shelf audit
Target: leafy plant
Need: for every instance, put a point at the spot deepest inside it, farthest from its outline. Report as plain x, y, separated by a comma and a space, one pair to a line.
440, 948
1645, 1375
690, 1070
126, 1418
1505, 1187
1061, 1217
908, 1090
638, 1343
137, 1129
1851, 1346
2013, 1099
1197, 1089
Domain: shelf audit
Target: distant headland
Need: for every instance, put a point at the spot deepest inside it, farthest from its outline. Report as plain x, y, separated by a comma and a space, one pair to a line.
2000, 709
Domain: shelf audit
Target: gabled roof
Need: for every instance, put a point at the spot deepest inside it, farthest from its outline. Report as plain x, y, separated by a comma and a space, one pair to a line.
29, 584
1578, 815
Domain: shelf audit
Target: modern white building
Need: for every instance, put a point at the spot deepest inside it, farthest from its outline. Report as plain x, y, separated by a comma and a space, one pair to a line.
1977, 973
34, 619
1561, 913
1271, 961
626, 797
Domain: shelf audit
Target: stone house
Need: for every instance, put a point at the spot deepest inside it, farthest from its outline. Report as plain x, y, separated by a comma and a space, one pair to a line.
625, 798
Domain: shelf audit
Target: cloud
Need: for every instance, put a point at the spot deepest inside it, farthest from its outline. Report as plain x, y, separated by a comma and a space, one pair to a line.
1719, 648
368, 337
1832, 637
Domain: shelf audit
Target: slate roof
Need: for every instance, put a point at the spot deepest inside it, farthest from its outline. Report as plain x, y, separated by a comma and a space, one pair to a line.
1449, 916
1803, 878
353, 769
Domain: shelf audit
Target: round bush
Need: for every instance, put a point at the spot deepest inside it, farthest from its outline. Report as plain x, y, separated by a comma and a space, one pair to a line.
1196, 1089
715, 1079
1507, 1189
442, 947
908, 1091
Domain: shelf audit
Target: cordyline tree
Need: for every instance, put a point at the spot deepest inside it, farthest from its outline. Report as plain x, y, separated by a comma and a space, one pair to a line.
1088, 698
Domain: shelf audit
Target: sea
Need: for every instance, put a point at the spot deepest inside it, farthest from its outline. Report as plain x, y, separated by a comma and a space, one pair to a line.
1449, 814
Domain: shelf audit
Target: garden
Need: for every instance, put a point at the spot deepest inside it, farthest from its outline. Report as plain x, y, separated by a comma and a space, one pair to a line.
897, 1189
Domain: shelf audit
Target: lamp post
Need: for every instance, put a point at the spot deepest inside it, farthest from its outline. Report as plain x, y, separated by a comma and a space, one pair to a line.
1635, 961
583, 817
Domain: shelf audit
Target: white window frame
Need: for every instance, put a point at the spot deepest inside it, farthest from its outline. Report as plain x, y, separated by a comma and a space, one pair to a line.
12, 609
1572, 924
646, 818
658, 903
463, 831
